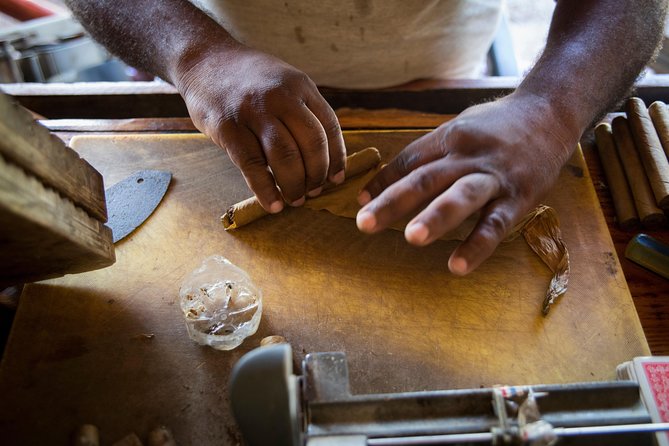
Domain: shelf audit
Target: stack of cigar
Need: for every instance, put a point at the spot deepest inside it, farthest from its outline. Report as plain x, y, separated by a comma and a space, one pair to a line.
634, 150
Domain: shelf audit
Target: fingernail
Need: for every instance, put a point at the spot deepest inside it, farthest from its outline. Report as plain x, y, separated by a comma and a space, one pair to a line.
276, 207
458, 266
364, 197
315, 192
298, 202
416, 233
365, 221
338, 177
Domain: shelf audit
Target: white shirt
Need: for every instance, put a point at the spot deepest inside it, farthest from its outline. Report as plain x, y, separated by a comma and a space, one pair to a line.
365, 43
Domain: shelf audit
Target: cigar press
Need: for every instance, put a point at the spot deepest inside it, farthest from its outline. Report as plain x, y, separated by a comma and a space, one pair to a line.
274, 406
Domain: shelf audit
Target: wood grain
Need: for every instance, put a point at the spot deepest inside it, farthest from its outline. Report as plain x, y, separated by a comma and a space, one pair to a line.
33, 148
43, 234
650, 150
403, 320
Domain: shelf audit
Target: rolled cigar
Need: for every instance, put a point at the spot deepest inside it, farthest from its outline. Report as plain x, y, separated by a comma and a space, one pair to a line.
660, 117
650, 150
623, 202
86, 435
650, 215
250, 210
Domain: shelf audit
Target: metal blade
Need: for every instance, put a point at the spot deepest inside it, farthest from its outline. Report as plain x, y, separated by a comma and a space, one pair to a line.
132, 200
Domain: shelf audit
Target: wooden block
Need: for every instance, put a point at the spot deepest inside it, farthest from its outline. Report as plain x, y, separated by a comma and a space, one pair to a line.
33, 148
44, 234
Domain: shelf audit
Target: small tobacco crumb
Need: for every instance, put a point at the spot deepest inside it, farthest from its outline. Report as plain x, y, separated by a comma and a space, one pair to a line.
272, 340
144, 336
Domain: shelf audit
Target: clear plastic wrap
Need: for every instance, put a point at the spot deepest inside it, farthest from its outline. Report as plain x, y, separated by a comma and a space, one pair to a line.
220, 304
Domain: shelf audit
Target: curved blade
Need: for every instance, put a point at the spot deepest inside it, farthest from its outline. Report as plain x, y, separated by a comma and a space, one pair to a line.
132, 200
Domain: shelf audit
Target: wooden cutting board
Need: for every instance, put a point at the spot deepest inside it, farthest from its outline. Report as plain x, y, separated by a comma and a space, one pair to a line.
109, 347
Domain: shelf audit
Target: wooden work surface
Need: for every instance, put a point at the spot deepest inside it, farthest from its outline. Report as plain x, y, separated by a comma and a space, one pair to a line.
649, 291
110, 348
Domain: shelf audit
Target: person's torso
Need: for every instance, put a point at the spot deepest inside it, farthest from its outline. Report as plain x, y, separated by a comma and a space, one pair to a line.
365, 43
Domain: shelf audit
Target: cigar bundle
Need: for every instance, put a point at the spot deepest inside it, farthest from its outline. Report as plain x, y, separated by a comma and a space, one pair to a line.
633, 150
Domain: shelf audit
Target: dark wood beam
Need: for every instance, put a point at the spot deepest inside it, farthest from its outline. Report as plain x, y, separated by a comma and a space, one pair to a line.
120, 100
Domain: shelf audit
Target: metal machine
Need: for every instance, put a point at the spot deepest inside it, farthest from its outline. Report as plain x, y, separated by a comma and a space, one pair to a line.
274, 406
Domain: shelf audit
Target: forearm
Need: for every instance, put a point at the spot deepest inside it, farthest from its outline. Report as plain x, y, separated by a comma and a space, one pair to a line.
157, 36
595, 51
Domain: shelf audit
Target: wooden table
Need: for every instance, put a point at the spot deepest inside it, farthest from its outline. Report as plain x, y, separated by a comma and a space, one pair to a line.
82, 350
649, 291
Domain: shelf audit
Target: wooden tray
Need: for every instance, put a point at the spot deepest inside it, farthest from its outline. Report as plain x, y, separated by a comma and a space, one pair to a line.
109, 347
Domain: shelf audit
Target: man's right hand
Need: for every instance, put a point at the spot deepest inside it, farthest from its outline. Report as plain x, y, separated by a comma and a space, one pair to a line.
269, 117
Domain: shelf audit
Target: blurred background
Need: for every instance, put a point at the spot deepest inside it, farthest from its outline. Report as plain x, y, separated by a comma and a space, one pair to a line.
40, 41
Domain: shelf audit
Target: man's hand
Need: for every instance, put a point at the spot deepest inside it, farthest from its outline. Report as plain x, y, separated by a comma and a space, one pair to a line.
266, 114
498, 158
270, 118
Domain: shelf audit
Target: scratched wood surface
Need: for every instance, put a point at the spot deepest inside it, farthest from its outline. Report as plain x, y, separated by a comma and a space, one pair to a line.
649, 291
109, 347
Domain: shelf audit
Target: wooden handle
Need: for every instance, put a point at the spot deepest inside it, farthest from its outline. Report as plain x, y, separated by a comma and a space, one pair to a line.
623, 202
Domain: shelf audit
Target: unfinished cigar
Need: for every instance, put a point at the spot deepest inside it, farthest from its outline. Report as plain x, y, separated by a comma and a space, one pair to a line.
650, 150
86, 435
250, 210
621, 194
660, 117
650, 215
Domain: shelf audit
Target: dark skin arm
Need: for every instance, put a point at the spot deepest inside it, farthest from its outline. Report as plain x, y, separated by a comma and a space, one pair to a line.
501, 158
267, 115
498, 158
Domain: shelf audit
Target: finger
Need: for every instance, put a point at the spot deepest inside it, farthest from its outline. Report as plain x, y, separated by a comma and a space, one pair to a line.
311, 139
409, 194
420, 152
446, 212
493, 226
284, 158
335, 140
244, 150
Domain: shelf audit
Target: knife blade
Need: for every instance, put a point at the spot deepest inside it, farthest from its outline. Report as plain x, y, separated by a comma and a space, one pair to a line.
131, 201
